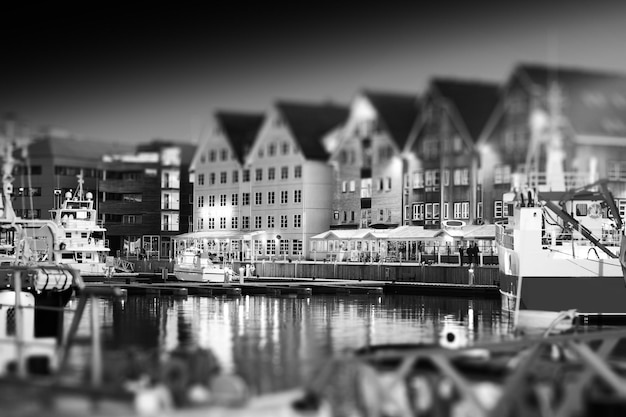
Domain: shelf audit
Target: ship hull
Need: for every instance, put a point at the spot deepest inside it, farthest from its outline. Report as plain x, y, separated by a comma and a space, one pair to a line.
199, 274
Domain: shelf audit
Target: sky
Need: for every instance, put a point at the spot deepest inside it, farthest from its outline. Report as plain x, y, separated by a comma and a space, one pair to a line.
133, 75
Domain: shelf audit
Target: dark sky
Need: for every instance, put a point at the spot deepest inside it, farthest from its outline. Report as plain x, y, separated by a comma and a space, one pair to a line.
133, 74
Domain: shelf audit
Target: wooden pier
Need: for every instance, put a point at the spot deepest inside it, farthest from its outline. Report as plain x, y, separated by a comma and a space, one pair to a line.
297, 287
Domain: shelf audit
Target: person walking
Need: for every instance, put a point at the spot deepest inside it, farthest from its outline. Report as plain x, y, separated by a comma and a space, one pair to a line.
461, 254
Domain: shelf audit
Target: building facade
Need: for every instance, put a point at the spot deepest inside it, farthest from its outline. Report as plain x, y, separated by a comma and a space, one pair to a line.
367, 164
145, 198
584, 110
441, 163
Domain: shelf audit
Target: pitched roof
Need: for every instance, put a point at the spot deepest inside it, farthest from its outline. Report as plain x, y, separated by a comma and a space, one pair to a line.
594, 101
240, 130
474, 101
90, 150
310, 122
397, 113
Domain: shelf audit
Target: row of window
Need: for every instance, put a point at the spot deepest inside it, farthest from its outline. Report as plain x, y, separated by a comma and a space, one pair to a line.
213, 222
245, 198
430, 178
381, 215
123, 218
269, 248
431, 211
382, 184
258, 175
213, 154
272, 149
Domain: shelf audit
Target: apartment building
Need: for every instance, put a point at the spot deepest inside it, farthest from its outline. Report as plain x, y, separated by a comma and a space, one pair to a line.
367, 164
49, 168
221, 182
585, 110
441, 162
145, 197
288, 197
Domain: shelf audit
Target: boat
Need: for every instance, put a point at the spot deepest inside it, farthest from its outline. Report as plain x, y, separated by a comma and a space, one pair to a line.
197, 266
82, 241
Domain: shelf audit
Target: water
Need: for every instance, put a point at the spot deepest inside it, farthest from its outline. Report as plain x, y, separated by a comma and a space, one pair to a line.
275, 343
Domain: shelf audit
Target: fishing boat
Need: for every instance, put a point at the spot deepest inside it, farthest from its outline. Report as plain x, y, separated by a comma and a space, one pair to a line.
197, 266
82, 243
562, 246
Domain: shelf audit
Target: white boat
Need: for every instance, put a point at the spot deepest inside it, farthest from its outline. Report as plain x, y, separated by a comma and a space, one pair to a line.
82, 243
197, 266
564, 256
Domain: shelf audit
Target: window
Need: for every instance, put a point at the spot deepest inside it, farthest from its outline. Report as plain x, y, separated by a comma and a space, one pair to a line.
446, 210
271, 173
258, 176
245, 175
245, 199
435, 210
258, 222
222, 222
388, 184
284, 247
200, 223
201, 179
234, 222
284, 148
352, 216
297, 196
479, 210
621, 205
258, 198
344, 186
234, 199
336, 215
212, 178
297, 220
261, 152
352, 186
132, 198
270, 222
461, 176
245, 222
271, 149
224, 155
407, 212
235, 176
223, 177
222, 200
429, 211
497, 209
616, 170
446, 177
212, 155
418, 211
418, 179
581, 209
211, 223
284, 197
200, 201
502, 174
211, 201
271, 197
297, 171
296, 247
283, 221
461, 210
271, 247
284, 173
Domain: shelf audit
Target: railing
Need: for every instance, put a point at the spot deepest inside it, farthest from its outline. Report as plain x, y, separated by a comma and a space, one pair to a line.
504, 237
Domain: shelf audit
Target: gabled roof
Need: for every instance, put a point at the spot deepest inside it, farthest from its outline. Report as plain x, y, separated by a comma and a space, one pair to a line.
310, 122
240, 130
73, 148
594, 101
397, 113
473, 101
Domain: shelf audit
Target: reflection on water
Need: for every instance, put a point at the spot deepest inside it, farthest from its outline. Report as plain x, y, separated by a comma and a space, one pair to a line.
276, 342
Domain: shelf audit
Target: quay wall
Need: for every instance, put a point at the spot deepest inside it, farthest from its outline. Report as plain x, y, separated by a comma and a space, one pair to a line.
405, 272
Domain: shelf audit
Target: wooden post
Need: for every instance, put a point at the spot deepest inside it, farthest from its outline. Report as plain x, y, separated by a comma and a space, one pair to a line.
96, 347
19, 325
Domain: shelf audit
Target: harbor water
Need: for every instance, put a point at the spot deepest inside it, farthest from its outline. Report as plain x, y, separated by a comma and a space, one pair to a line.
275, 343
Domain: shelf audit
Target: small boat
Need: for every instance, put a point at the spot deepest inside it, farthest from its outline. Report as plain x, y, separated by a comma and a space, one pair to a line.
82, 243
196, 266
